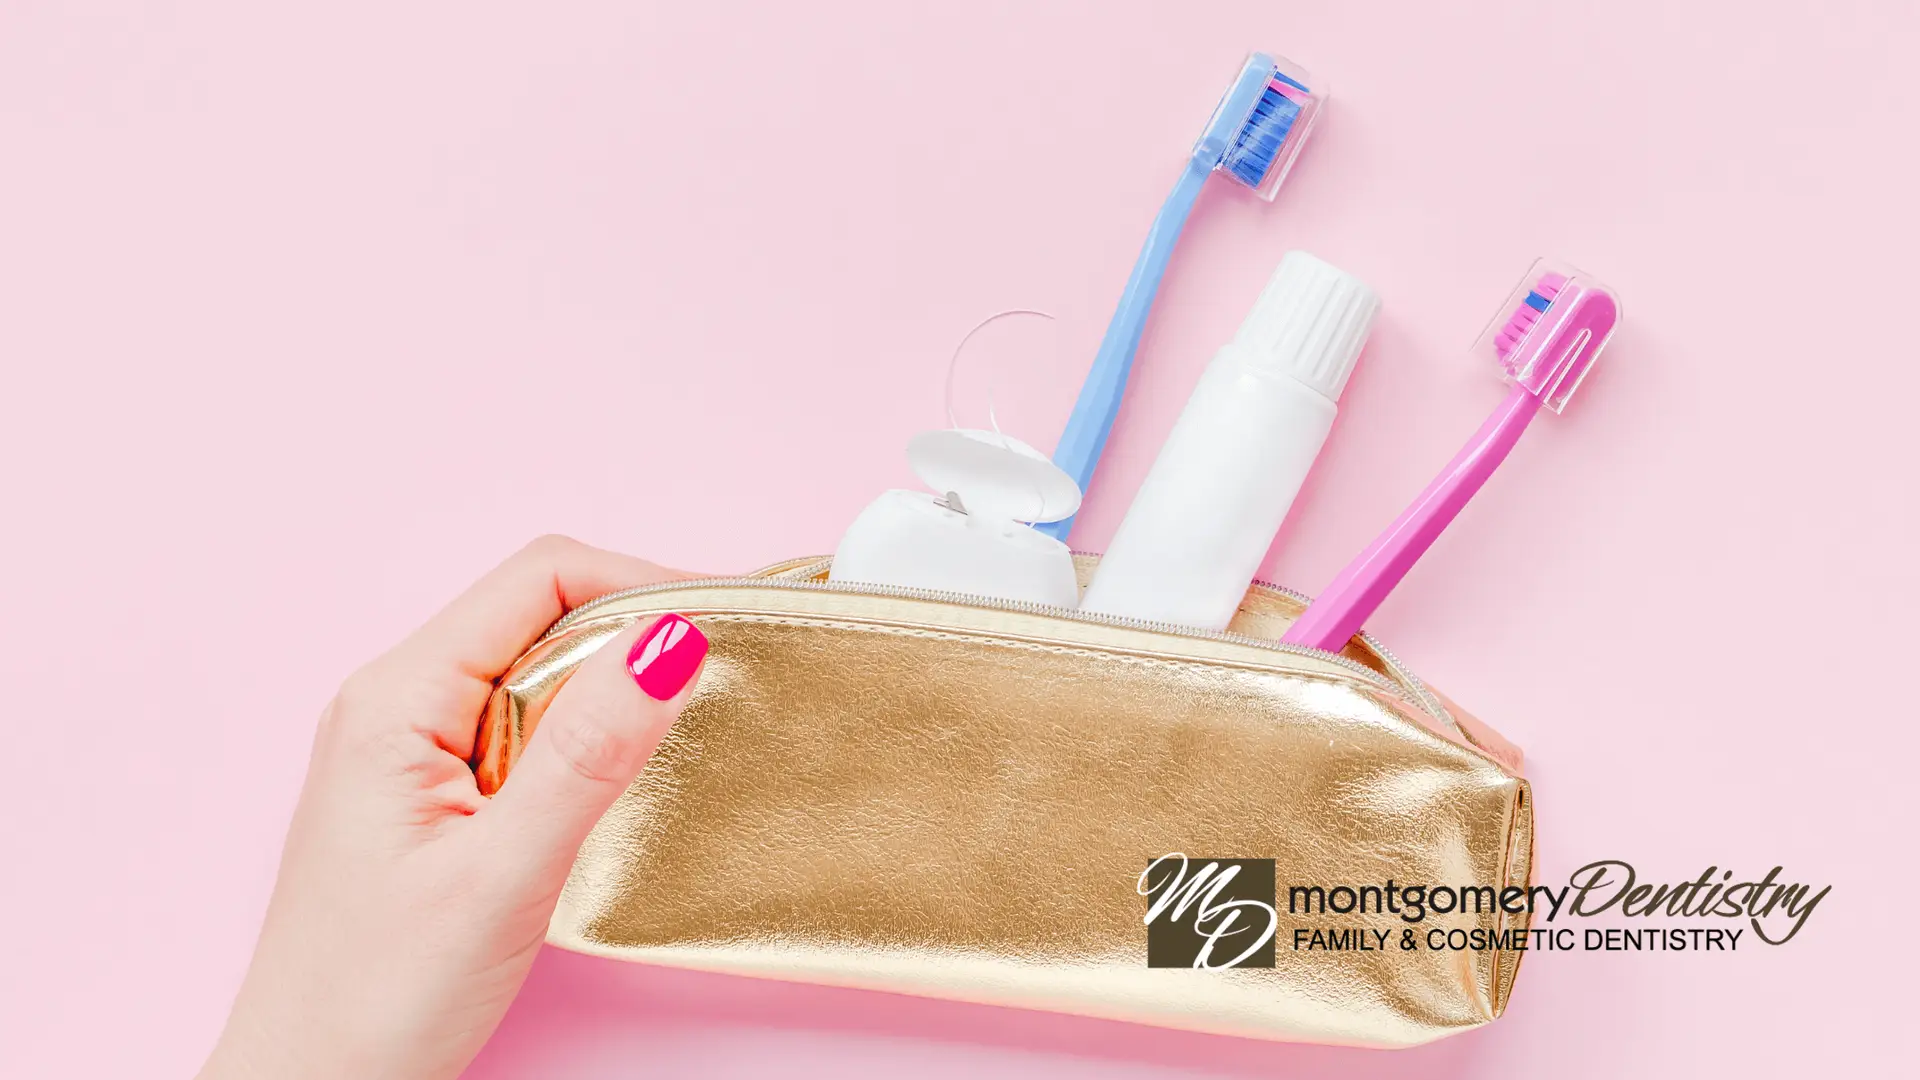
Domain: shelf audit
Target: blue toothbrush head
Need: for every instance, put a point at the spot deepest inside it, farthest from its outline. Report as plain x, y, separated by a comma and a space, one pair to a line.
1262, 122
1260, 140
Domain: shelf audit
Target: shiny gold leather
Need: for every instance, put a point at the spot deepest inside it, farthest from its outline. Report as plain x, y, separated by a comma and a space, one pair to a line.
957, 800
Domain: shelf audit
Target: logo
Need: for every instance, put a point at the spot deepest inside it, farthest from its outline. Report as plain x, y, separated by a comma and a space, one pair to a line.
1209, 913
1221, 913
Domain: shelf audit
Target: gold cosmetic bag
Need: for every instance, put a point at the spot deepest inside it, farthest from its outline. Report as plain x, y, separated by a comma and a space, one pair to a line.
956, 798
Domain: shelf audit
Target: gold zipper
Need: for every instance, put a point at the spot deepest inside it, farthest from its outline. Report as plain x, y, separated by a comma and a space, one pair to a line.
797, 576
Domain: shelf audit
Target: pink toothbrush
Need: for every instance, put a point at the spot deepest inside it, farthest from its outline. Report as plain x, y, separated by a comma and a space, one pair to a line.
1556, 330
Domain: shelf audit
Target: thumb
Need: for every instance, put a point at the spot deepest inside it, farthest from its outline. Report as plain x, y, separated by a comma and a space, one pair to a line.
598, 732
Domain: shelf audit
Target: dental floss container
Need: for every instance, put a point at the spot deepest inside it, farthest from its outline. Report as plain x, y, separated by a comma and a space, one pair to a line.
971, 537
1215, 497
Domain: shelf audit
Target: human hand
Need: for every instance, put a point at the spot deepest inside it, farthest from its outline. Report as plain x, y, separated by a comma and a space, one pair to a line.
409, 907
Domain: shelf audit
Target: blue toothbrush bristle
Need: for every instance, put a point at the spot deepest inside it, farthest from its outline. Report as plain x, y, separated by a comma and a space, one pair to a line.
1260, 140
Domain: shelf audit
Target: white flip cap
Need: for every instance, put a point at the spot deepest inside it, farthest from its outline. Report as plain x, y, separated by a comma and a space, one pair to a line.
1309, 324
993, 474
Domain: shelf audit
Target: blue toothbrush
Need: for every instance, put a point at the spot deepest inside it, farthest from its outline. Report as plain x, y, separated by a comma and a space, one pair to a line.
1253, 137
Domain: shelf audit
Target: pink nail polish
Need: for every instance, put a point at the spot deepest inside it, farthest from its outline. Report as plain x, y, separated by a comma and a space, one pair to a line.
666, 656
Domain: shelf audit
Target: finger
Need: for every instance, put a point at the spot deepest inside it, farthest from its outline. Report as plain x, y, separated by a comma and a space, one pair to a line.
593, 740
486, 628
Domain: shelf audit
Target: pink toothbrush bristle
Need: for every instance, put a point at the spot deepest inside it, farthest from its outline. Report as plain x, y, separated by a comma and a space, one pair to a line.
1547, 288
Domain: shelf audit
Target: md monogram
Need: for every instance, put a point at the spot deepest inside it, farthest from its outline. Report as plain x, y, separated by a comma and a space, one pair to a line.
1209, 913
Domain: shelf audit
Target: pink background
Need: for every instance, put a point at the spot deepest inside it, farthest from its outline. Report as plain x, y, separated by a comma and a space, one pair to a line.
309, 317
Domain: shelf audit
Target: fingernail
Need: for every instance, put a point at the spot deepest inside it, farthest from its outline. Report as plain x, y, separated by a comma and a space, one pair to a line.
666, 656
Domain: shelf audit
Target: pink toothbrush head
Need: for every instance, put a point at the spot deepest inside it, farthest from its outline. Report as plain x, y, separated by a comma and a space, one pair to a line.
1551, 330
